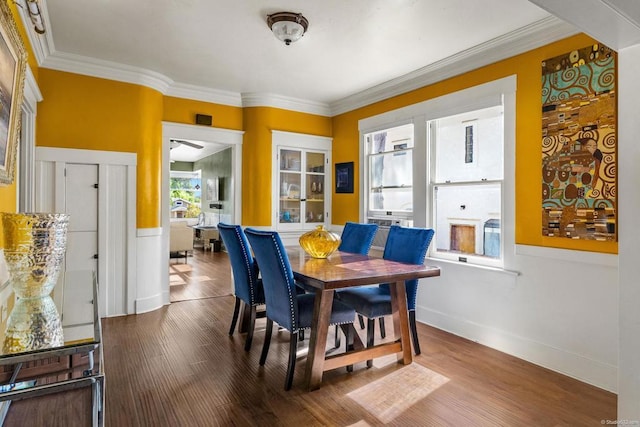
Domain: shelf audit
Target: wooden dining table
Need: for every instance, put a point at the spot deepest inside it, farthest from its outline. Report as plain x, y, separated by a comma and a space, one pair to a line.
345, 270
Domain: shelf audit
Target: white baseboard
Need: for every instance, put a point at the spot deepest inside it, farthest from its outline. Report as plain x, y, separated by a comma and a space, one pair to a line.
154, 302
590, 371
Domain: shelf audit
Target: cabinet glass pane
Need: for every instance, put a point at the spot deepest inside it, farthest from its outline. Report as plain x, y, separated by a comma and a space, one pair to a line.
315, 162
314, 187
290, 160
290, 197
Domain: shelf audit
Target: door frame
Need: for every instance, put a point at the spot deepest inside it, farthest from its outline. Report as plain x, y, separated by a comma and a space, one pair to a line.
229, 137
50, 197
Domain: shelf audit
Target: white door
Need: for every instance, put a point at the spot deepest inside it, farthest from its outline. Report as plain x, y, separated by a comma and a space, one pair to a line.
81, 203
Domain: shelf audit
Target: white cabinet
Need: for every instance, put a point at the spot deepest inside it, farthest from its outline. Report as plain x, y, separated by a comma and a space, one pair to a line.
302, 181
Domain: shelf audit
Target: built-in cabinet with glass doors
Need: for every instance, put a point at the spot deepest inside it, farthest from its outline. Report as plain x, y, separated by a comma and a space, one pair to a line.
303, 181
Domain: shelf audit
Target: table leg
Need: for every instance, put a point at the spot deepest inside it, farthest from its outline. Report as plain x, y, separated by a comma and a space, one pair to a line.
318, 340
401, 321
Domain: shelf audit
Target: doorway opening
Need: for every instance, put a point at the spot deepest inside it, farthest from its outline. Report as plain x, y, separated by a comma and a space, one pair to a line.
202, 170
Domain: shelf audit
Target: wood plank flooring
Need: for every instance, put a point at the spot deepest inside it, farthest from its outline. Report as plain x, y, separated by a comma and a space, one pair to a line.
177, 366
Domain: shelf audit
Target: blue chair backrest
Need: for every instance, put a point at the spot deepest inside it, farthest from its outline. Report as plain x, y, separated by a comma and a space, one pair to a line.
244, 267
408, 244
277, 277
357, 238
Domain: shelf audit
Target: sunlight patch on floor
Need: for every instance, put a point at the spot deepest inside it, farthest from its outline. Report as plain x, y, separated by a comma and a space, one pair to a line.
175, 280
182, 268
391, 395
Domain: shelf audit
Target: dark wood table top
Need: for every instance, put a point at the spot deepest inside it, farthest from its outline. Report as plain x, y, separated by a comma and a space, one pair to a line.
343, 269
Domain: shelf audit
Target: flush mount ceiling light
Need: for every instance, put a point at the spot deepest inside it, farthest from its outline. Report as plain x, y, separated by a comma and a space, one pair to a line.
287, 26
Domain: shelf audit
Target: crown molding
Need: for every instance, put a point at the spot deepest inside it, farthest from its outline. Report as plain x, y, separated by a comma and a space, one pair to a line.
538, 34
41, 44
200, 93
93, 67
278, 101
32, 94
527, 38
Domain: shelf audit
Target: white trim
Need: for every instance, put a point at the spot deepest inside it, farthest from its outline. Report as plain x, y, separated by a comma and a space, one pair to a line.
571, 364
516, 42
89, 66
437, 261
497, 92
145, 305
60, 157
32, 94
149, 232
73, 155
474, 98
41, 44
302, 140
286, 103
232, 138
565, 255
200, 93
537, 34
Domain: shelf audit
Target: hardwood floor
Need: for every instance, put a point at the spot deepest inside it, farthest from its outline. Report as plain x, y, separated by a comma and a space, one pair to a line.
200, 275
178, 366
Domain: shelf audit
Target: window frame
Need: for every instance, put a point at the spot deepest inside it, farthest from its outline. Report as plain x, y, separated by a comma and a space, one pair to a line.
403, 216
474, 98
434, 185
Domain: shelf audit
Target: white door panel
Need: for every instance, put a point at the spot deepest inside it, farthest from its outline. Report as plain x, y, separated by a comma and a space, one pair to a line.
81, 248
82, 197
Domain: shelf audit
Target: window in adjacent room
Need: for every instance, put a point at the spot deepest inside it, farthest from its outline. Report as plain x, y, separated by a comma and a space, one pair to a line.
186, 193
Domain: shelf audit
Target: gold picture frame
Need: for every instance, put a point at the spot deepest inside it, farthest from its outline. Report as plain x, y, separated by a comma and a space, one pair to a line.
13, 66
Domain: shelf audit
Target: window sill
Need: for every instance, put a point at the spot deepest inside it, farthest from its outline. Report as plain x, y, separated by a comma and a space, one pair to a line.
501, 270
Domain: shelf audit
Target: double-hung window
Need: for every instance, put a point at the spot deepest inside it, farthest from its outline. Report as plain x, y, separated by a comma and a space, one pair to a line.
466, 182
447, 163
390, 173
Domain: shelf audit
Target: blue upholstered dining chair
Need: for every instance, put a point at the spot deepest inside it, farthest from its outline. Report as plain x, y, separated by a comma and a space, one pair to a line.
290, 310
404, 244
247, 285
357, 238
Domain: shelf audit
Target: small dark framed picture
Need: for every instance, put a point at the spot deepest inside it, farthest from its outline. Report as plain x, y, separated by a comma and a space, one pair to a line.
344, 177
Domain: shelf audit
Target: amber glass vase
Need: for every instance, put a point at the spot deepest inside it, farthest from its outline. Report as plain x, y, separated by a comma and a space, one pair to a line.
319, 243
34, 248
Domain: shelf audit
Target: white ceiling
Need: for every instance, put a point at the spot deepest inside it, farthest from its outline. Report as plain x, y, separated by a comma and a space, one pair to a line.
352, 48
226, 45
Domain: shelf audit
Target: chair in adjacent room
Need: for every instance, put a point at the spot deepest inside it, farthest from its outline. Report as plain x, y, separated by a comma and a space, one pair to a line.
404, 244
290, 310
247, 286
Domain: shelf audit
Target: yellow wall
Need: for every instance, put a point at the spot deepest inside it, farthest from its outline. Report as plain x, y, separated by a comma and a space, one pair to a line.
8, 193
96, 114
527, 67
256, 154
180, 110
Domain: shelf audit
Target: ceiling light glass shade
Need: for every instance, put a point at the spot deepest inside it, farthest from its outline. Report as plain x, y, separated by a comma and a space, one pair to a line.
287, 26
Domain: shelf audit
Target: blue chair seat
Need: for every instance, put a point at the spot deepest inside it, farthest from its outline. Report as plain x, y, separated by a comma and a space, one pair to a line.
370, 301
340, 312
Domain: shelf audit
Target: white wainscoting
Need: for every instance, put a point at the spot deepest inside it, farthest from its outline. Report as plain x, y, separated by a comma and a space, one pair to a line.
151, 262
560, 312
